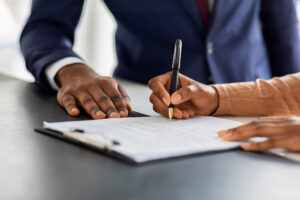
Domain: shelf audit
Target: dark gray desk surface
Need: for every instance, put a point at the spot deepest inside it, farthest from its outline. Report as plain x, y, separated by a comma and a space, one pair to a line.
37, 167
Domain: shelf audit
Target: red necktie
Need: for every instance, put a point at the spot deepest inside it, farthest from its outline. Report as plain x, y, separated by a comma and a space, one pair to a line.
204, 10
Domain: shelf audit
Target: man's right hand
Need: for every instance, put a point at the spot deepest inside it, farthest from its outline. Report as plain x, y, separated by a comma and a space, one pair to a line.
101, 97
192, 98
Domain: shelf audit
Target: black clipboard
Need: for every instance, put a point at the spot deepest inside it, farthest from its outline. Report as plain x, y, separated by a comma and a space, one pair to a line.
105, 151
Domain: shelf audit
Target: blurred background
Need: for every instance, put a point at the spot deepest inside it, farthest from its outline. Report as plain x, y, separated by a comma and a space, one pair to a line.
94, 41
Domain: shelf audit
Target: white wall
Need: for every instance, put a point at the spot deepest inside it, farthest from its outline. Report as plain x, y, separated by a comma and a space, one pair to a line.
94, 41
12, 16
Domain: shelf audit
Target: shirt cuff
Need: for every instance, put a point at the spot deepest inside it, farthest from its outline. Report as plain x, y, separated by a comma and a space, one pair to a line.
52, 69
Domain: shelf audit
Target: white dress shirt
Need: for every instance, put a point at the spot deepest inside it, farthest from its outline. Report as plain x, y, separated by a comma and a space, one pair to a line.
52, 69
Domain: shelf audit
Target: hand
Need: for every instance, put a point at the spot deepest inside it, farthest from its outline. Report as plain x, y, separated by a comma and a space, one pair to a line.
101, 97
191, 98
282, 132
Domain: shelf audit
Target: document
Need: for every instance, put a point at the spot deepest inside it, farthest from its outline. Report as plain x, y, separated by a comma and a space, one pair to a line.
150, 138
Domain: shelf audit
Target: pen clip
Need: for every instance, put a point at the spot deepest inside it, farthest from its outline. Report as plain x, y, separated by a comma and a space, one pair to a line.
177, 55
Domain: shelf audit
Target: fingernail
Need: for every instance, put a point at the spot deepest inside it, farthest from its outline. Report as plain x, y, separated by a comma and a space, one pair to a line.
74, 110
220, 133
165, 101
114, 115
227, 133
123, 113
100, 114
176, 98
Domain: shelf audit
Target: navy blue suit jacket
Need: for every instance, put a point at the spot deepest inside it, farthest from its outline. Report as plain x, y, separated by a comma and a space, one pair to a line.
246, 40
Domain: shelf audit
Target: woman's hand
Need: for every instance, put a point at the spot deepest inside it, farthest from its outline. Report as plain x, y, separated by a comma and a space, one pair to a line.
282, 132
191, 98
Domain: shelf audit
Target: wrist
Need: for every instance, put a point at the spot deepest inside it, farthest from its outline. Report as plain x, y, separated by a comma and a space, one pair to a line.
215, 101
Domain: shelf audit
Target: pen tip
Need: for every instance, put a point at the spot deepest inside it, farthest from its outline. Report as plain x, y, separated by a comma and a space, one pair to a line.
170, 113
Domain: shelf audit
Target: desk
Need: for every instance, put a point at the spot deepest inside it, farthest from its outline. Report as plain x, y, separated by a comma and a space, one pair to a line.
35, 167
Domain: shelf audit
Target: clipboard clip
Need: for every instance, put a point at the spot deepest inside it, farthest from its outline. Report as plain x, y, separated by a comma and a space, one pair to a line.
77, 134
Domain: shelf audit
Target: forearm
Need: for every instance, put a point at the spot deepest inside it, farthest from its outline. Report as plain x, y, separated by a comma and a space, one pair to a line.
49, 34
279, 96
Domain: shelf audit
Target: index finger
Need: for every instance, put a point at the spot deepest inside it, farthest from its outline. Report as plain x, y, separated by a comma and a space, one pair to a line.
159, 87
255, 129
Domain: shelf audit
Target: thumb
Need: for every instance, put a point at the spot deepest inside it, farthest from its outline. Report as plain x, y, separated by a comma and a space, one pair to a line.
184, 94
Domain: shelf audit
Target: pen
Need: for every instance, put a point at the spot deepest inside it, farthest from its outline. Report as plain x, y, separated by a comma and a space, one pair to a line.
175, 71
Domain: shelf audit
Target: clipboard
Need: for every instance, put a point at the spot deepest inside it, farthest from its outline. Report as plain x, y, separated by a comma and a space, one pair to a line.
101, 148
141, 139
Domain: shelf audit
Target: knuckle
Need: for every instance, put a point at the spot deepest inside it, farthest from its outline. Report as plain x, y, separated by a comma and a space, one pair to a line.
87, 100
72, 89
259, 127
111, 80
89, 85
196, 86
60, 94
236, 132
58, 98
188, 90
121, 107
117, 98
69, 104
126, 97
67, 98
104, 99
150, 83
160, 94
106, 81
62, 98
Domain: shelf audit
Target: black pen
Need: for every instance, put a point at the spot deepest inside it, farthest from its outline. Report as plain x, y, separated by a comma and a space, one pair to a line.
175, 71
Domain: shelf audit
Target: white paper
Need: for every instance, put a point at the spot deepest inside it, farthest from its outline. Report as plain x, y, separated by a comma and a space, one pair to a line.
150, 138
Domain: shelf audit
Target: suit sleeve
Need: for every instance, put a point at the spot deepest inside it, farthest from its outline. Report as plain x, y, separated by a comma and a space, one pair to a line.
48, 35
280, 28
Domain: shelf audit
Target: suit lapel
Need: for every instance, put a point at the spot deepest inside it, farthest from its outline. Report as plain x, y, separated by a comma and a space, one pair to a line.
192, 11
214, 16
227, 15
